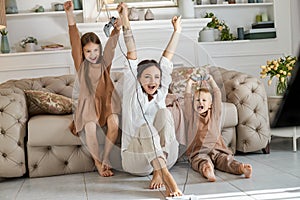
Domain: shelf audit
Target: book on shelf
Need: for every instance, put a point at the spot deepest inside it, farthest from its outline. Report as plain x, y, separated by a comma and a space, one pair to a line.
260, 30
259, 25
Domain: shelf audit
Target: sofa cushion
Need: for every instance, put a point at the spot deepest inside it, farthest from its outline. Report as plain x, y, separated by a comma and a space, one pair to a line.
44, 130
40, 102
230, 115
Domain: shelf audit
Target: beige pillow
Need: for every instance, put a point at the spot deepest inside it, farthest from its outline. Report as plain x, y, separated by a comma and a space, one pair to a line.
40, 102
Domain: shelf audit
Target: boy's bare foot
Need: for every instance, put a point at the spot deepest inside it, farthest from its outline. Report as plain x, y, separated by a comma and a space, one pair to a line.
157, 181
246, 169
103, 169
208, 172
170, 184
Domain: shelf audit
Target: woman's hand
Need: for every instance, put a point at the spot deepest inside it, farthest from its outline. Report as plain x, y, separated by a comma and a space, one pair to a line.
122, 10
176, 22
68, 6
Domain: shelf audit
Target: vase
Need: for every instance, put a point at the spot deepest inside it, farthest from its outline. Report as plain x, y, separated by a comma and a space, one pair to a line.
11, 7
4, 44
281, 87
186, 8
77, 4
207, 35
29, 47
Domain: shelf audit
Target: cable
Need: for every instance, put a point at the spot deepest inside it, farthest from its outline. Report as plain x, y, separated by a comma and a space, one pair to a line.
140, 105
190, 165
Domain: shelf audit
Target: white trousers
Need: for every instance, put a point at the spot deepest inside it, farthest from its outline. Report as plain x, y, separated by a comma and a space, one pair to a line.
160, 141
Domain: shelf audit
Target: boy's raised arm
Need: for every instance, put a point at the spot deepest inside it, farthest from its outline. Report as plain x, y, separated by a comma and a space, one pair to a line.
171, 47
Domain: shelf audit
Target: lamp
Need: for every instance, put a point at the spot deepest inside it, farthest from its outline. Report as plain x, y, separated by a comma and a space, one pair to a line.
2, 15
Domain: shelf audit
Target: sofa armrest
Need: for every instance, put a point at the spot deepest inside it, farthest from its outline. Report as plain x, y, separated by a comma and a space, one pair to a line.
249, 96
13, 118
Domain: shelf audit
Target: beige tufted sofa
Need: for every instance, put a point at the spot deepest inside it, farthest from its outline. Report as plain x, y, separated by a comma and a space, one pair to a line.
42, 145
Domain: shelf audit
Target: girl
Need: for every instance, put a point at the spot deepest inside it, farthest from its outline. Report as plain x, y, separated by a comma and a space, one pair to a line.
94, 106
148, 134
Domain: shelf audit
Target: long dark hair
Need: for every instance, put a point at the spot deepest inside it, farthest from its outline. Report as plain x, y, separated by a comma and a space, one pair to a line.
144, 64
85, 39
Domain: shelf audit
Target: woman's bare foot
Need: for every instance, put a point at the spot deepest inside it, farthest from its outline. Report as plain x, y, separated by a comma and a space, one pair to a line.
170, 184
246, 169
103, 169
208, 172
157, 181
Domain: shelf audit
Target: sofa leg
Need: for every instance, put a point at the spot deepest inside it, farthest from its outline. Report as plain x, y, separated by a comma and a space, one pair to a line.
266, 150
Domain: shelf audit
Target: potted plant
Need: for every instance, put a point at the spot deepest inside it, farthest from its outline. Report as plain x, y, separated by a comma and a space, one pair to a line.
29, 43
222, 30
4, 41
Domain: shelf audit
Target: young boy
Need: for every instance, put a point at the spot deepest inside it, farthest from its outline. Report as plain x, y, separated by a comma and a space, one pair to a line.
206, 149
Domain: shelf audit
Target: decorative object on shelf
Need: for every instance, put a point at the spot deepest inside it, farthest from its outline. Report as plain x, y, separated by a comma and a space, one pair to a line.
186, 8
4, 41
264, 17
251, 1
11, 7
280, 68
58, 7
213, 1
198, 2
258, 18
52, 47
149, 15
39, 9
259, 1
221, 26
77, 4
231, 1
240, 32
133, 14
29, 43
206, 35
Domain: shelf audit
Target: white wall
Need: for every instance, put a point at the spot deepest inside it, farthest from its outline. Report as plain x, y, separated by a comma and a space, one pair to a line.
239, 55
295, 18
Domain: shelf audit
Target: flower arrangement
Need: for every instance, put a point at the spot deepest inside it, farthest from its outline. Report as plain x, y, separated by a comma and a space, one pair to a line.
29, 39
221, 26
280, 68
4, 32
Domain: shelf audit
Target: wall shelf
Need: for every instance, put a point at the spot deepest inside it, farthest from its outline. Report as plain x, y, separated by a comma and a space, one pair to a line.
39, 52
233, 5
22, 14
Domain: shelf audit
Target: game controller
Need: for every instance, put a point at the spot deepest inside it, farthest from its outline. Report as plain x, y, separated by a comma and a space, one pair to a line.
184, 197
199, 77
108, 26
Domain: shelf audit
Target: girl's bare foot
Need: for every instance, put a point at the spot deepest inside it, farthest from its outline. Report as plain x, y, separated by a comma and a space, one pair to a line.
103, 169
156, 181
170, 184
208, 172
246, 169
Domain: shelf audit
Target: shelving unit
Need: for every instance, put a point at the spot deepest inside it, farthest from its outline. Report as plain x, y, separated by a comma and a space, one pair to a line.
34, 14
237, 15
234, 5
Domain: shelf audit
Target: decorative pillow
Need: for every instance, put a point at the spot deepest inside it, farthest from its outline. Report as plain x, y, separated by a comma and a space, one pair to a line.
40, 102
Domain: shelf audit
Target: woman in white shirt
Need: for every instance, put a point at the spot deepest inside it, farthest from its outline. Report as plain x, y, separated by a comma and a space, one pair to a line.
148, 134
